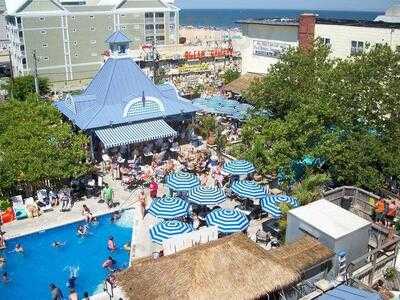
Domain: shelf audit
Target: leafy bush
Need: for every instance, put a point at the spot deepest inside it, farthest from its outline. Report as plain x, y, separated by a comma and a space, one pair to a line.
230, 75
310, 188
4, 203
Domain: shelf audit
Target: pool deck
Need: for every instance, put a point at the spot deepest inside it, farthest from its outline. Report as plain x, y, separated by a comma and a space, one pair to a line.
56, 218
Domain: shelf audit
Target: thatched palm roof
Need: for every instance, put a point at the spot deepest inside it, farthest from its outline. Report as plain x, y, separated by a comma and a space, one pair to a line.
302, 254
233, 267
238, 86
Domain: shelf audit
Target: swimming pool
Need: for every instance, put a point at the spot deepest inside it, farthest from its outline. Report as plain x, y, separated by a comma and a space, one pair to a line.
31, 273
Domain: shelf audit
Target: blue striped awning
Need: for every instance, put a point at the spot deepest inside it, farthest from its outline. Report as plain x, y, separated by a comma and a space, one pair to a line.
135, 133
167, 229
270, 204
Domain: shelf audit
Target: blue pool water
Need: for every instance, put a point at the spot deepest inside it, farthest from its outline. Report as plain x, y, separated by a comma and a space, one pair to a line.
41, 264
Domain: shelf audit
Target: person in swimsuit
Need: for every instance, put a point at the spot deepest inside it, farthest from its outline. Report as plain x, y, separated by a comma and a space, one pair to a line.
111, 245
19, 248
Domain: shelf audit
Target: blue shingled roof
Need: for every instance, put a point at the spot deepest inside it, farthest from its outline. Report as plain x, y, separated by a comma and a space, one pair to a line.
115, 96
349, 293
118, 37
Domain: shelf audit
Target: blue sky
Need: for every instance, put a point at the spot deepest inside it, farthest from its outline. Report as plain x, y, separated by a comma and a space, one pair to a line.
372, 5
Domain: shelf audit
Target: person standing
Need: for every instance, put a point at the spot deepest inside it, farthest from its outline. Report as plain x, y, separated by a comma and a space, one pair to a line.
379, 210
153, 188
391, 213
108, 194
56, 293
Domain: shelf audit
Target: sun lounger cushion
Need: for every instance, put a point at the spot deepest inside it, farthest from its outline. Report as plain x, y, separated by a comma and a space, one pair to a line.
20, 213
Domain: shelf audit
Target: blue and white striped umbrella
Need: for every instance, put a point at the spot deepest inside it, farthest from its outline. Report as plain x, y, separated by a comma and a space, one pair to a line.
238, 167
202, 195
169, 208
165, 230
182, 181
270, 204
248, 189
227, 220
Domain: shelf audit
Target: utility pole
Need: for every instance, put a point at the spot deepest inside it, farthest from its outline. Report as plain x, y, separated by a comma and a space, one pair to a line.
35, 73
11, 74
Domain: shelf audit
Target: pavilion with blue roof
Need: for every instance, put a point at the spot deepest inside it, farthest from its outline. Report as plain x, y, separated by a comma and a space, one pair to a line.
122, 106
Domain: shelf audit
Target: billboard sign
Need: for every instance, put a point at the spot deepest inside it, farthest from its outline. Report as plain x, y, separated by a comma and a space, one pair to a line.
269, 48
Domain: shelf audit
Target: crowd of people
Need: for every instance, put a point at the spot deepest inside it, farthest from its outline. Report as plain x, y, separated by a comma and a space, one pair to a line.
385, 212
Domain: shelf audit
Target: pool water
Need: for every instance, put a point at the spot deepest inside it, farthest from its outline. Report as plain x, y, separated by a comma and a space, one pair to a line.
31, 272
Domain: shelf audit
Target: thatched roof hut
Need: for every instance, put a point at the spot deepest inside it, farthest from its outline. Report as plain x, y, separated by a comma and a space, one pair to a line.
233, 267
302, 254
239, 85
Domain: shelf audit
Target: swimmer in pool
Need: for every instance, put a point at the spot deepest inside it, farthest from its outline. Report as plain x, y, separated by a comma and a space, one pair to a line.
2, 261
82, 230
4, 278
109, 263
111, 245
115, 216
19, 248
58, 244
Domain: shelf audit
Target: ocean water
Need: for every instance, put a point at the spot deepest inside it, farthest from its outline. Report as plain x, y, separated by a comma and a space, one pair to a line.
226, 18
31, 273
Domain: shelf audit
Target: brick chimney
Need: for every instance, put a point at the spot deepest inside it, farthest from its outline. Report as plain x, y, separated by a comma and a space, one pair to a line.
306, 30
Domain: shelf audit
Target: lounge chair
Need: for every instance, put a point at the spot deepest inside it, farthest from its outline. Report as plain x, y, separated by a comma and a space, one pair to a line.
19, 207
31, 207
43, 200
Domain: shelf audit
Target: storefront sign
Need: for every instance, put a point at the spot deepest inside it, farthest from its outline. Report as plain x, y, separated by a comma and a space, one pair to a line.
194, 68
269, 48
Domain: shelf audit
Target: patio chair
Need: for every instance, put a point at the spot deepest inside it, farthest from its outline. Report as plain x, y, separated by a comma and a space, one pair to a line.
263, 237
19, 207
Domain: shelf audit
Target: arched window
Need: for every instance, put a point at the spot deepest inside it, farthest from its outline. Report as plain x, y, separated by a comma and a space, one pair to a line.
137, 106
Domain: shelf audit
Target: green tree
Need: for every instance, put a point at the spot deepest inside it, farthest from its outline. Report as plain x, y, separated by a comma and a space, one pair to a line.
345, 112
36, 145
23, 86
230, 75
160, 76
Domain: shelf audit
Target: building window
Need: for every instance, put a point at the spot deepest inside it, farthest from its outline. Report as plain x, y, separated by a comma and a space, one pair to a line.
357, 47
148, 15
149, 27
74, 30
24, 61
109, 28
45, 45
46, 58
73, 17
159, 15
160, 26
43, 31
123, 27
172, 26
91, 17
76, 54
172, 14
93, 42
92, 28
42, 18
326, 41
75, 43
122, 16
149, 38
160, 38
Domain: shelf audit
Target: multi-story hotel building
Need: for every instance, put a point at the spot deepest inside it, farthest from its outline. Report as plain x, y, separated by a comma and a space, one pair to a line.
265, 40
69, 36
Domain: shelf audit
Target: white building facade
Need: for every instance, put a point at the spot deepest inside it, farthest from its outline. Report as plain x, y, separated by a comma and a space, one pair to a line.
265, 40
